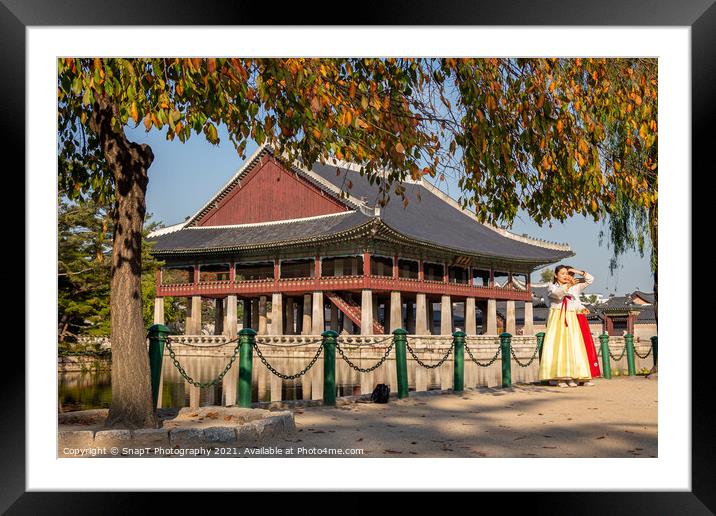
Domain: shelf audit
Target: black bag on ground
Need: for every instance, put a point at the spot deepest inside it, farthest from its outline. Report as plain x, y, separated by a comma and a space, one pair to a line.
381, 394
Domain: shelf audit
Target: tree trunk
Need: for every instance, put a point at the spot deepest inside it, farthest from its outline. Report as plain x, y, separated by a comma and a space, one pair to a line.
654, 234
131, 405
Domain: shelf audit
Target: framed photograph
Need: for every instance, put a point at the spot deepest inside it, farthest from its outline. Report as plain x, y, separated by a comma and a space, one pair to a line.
436, 194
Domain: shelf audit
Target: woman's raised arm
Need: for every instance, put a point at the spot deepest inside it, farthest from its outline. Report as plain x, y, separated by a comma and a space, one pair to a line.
556, 292
588, 280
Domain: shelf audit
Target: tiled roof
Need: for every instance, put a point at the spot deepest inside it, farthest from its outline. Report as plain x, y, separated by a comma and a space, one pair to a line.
195, 239
432, 220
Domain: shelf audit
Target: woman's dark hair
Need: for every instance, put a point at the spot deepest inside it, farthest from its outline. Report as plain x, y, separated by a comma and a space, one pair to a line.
559, 268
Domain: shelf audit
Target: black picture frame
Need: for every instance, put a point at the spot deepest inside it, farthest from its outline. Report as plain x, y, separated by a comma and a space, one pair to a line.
699, 15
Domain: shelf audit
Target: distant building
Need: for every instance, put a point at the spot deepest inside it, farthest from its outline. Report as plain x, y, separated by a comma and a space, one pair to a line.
632, 313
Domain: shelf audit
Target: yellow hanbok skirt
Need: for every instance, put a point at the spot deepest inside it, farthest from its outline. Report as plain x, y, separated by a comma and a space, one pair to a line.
564, 354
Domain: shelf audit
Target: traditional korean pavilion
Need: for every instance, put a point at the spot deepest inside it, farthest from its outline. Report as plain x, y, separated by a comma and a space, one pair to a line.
316, 245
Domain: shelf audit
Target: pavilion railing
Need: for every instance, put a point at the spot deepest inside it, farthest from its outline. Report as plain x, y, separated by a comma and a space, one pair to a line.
444, 362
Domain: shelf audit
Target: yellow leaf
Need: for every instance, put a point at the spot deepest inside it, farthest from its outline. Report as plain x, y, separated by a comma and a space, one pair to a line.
583, 146
643, 131
399, 148
316, 133
148, 122
135, 113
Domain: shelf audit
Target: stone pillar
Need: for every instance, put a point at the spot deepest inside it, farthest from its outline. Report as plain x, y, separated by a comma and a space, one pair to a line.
255, 315
510, 325
421, 315
262, 316
445, 315
224, 310
289, 329
188, 325
193, 316
491, 328
528, 328
409, 318
277, 314
307, 324
470, 317
230, 329
318, 323
334, 317
158, 310
218, 317
247, 314
396, 311
366, 313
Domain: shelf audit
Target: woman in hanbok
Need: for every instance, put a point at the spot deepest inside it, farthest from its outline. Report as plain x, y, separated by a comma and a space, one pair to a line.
582, 313
564, 356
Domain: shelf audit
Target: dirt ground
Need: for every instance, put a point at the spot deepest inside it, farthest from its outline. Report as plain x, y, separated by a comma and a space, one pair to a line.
613, 418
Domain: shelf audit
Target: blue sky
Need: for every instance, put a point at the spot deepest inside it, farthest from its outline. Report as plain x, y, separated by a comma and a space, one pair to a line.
184, 176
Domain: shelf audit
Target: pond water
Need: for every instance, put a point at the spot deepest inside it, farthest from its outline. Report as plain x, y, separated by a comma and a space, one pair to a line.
93, 389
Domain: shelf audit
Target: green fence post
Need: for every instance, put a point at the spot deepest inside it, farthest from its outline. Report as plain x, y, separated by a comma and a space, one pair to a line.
655, 349
629, 340
458, 339
247, 339
606, 362
401, 361
540, 341
505, 343
157, 335
329, 367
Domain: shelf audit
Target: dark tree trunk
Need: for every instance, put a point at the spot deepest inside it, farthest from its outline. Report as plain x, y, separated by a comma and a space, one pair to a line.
654, 234
131, 405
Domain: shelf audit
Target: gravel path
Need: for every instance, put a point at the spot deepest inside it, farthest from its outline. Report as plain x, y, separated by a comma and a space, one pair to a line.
614, 418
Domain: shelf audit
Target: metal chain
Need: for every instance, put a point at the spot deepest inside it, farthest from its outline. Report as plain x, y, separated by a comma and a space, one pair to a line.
286, 376
647, 353
202, 385
488, 364
368, 369
620, 356
514, 356
441, 362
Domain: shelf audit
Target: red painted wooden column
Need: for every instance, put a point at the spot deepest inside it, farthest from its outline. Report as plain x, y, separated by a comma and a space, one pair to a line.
395, 267
366, 270
421, 271
158, 280
316, 272
446, 274
276, 273
492, 277
196, 275
232, 272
